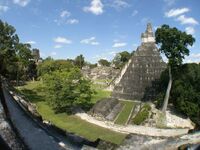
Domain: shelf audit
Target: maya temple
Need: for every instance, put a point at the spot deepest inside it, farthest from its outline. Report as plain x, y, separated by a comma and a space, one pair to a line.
136, 79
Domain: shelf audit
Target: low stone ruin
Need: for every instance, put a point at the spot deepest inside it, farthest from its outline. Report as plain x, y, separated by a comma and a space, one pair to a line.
106, 109
100, 73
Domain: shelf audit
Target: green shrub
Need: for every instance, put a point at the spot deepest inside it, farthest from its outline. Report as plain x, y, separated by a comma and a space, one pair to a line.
67, 90
185, 92
142, 115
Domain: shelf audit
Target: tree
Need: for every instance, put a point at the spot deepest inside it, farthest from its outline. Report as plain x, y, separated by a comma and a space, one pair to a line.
8, 42
104, 62
125, 56
32, 70
174, 44
185, 92
79, 61
67, 90
121, 59
23, 55
50, 65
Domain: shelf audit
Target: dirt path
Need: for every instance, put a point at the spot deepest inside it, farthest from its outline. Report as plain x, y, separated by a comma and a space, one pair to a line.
150, 131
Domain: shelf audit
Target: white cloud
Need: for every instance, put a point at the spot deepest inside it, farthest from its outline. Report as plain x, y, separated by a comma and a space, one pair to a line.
31, 42
187, 20
119, 45
22, 3
193, 58
176, 12
113, 53
53, 53
91, 41
72, 21
193, 55
3, 8
65, 13
119, 4
62, 40
96, 7
190, 30
58, 46
135, 12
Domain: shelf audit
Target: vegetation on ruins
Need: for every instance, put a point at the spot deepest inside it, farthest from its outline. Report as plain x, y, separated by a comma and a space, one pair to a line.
49, 65
142, 115
185, 92
104, 62
121, 59
174, 44
79, 61
123, 116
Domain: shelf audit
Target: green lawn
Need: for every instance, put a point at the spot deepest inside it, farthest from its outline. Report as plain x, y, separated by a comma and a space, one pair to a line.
124, 114
70, 123
100, 94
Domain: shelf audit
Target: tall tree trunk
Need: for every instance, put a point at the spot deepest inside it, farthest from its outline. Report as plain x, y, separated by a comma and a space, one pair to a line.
166, 100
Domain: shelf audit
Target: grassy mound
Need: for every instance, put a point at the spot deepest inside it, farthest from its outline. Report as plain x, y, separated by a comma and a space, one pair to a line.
126, 111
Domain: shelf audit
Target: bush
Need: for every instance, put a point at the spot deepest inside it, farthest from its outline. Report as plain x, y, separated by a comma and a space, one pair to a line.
67, 90
142, 115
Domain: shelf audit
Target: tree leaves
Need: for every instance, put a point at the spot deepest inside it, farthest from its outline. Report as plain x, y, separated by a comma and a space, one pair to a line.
173, 43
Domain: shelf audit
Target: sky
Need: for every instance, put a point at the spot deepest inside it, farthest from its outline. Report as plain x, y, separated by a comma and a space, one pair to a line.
97, 28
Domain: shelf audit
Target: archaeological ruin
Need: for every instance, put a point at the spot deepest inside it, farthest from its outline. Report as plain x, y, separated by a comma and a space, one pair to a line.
136, 79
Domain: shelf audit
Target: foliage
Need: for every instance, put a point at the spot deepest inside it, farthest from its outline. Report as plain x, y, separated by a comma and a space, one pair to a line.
142, 115
50, 65
174, 44
8, 43
32, 70
121, 58
79, 61
185, 93
67, 89
14, 56
104, 62
125, 113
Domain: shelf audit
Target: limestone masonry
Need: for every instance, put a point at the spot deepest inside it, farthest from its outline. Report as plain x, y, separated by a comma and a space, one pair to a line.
144, 67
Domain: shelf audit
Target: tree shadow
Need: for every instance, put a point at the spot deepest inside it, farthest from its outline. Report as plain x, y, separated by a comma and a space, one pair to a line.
151, 91
32, 96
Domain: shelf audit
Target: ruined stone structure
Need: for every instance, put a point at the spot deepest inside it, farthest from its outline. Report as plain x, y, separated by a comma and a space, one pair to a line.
36, 56
144, 67
107, 108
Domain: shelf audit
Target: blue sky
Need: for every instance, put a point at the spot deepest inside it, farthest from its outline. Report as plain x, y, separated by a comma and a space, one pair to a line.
97, 28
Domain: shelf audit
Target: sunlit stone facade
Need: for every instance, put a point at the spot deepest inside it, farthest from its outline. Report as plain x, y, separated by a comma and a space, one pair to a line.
145, 67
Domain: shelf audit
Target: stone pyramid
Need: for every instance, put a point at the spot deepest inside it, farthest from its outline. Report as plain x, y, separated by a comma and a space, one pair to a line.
136, 79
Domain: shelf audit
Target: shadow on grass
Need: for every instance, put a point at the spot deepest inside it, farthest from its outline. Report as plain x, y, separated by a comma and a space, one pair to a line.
32, 96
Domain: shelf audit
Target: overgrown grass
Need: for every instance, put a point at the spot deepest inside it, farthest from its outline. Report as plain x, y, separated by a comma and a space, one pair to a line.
124, 114
70, 123
100, 93
142, 115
